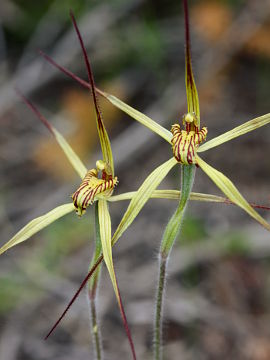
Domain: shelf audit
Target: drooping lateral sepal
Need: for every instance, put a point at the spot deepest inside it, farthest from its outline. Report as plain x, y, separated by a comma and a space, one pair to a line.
106, 241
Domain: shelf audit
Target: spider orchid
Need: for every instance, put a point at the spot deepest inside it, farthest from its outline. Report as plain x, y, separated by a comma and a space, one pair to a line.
98, 183
97, 186
186, 143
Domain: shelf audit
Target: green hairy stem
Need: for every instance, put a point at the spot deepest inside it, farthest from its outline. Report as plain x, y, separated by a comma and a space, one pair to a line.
170, 234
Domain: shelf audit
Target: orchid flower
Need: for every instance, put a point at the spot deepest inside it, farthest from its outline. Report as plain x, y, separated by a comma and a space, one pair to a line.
102, 189
98, 183
97, 186
186, 143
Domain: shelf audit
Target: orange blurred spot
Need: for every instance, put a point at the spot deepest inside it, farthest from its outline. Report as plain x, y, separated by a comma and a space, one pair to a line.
259, 43
211, 19
80, 131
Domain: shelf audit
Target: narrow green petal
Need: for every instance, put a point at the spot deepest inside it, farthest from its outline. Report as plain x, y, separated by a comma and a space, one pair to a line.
137, 115
227, 187
142, 195
70, 154
102, 133
170, 195
36, 225
237, 131
105, 237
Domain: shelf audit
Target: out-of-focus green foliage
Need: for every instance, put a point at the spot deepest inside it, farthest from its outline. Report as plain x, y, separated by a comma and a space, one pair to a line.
193, 230
64, 238
13, 292
235, 243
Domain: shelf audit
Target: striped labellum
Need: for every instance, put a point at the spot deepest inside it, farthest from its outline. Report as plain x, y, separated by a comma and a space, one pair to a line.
92, 186
186, 142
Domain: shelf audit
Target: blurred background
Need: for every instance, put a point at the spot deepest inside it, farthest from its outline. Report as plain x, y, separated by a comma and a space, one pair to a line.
218, 290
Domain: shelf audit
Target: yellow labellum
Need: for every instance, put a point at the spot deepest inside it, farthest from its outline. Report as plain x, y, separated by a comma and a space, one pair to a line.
228, 188
36, 225
185, 144
91, 187
237, 131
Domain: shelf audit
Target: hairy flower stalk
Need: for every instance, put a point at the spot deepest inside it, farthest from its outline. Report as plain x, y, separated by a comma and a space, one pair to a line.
186, 157
101, 188
185, 144
170, 234
98, 184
